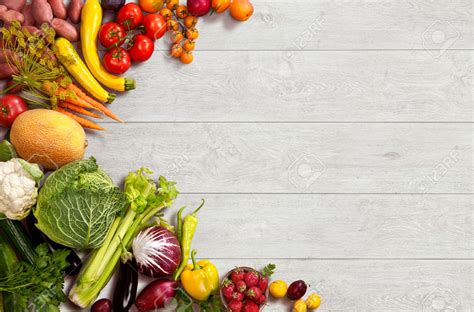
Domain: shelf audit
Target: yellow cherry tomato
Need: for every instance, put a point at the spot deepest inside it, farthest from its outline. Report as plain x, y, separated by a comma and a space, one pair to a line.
188, 45
172, 4
192, 33
186, 57
151, 6
314, 301
278, 289
190, 21
299, 306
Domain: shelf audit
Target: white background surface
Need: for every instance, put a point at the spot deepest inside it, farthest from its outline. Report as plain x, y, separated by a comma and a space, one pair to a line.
332, 138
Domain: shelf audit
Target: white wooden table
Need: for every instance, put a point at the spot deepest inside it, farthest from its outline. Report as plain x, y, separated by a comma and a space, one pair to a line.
330, 137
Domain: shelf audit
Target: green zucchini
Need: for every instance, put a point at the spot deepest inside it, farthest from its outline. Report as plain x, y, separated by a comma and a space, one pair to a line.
17, 236
8, 260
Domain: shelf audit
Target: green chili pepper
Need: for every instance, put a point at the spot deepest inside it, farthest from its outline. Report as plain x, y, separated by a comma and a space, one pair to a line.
179, 224
188, 229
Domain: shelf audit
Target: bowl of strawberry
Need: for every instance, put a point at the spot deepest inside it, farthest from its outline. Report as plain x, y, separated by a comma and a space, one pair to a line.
245, 289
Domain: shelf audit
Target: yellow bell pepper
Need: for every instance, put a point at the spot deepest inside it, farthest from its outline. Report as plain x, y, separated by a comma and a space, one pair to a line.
200, 279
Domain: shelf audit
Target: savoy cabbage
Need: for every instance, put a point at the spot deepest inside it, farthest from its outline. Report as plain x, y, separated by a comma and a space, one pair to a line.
77, 204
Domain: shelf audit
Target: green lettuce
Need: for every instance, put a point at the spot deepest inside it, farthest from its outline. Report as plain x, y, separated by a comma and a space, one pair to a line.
77, 204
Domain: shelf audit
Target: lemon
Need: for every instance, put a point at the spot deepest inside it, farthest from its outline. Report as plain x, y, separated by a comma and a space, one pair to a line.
278, 289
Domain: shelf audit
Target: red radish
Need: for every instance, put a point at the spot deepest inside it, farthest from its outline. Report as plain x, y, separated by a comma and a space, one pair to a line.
254, 293
237, 275
250, 306
240, 286
235, 306
260, 300
238, 296
263, 283
102, 305
156, 295
157, 251
199, 7
228, 289
251, 279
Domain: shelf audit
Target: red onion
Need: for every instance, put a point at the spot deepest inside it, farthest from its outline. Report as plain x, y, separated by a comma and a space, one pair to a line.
156, 251
156, 295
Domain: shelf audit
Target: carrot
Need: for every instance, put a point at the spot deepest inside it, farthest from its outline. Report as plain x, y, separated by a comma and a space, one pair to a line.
86, 123
78, 109
47, 86
96, 105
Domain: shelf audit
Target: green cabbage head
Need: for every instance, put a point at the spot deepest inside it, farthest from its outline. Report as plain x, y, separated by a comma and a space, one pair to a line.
77, 204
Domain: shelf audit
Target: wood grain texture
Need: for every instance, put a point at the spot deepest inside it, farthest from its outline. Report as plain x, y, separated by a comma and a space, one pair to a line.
332, 226
293, 158
342, 25
302, 86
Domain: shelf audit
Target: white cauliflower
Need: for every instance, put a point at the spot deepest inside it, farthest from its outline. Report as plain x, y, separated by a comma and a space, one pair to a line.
18, 188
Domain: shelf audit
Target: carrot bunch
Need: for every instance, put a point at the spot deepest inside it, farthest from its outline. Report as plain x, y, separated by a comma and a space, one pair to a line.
74, 102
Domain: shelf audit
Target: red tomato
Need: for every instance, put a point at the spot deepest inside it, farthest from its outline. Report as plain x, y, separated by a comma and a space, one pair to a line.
10, 107
130, 16
141, 48
117, 61
155, 26
110, 33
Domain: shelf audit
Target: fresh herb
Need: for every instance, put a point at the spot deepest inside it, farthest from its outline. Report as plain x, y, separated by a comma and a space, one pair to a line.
38, 286
184, 303
268, 270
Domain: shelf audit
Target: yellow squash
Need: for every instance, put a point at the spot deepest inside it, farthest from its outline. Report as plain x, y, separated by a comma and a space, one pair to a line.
75, 66
91, 19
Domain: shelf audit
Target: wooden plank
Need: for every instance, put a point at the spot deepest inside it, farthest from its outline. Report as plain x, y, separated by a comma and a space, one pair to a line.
332, 226
367, 285
309, 86
342, 25
293, 158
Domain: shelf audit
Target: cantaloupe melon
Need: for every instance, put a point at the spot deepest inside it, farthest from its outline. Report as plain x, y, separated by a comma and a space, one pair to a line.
48, 138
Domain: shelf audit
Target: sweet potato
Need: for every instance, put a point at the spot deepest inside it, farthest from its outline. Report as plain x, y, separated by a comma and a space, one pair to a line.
74, 10
7, 16
28, 14
65, 29
33, 30
16, 5
59, 9
42, 12
6, 71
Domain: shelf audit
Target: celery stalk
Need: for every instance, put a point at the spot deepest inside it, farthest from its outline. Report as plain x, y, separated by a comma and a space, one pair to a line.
146, 200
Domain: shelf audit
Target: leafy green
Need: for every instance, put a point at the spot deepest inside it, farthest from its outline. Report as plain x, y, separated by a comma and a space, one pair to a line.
77, 205
184, 303
38, 286
268, 270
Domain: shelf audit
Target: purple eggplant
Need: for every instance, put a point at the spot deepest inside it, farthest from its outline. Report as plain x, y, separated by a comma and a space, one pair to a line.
156, 295
296, 290
126, 287
199, 7
113, 5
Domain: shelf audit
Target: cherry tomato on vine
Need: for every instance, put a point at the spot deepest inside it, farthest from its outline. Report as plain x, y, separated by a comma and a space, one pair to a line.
11, 106
172, 4
141, 48
190, 21
182, 11
130, 16
172, 24
155, 26
192, 33
111, 33
176, 50
166, 13
117, 61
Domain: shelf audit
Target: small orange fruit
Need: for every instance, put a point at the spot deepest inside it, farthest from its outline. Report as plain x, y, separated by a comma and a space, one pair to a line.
241, 10
151, 6
172, 4
190, 21
176, 36
186, 57
176, 50
220, 6
172, 24
192, 33
182, 11
189, 45
166, 13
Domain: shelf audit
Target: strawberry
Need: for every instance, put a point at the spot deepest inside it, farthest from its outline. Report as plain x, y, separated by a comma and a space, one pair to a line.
238, 296
253, 293
250, 306
237, 275
240, 286
260, 300
251, 279
263, 283
235, 306
228, 289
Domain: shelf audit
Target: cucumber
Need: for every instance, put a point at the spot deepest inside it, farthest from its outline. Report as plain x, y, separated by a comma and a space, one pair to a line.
8, 259
17, 236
